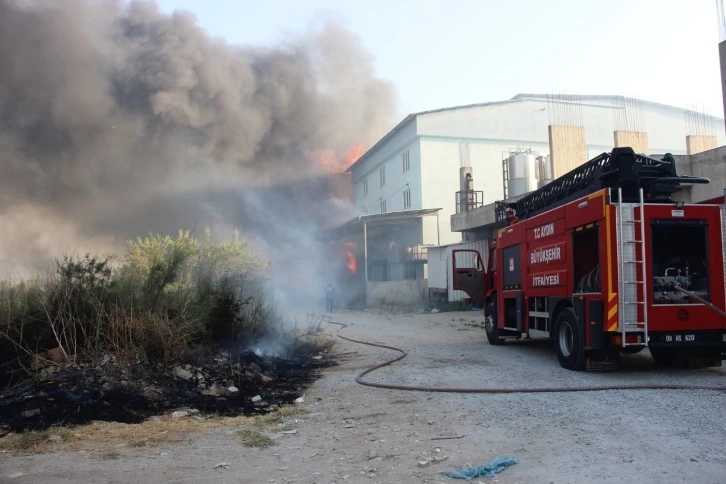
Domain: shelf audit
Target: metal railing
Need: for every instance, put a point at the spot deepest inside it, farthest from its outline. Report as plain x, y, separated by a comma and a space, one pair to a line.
414, 253
469, 200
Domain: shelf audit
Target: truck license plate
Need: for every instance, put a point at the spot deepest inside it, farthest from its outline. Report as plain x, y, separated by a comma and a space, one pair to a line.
679, 338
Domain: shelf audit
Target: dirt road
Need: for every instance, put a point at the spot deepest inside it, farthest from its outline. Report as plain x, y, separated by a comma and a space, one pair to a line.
353, 433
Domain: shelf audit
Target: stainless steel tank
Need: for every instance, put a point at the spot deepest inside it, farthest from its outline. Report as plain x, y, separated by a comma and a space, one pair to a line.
521, 174
544, 170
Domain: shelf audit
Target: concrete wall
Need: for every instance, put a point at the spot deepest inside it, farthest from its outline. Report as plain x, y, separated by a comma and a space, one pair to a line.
479, 217
634, 139
710, 164
568, 149
398, 293
699, 143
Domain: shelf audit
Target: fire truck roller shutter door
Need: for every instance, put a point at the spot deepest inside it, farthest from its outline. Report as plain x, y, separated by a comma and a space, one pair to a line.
512, 270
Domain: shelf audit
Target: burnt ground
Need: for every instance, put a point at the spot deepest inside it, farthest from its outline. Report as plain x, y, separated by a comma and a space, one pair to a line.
349, 433
112, 391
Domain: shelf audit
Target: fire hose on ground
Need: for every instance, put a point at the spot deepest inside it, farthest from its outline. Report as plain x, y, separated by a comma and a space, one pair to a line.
359, 379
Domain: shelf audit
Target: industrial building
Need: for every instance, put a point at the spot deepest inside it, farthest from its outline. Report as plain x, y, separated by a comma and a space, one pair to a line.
507, 148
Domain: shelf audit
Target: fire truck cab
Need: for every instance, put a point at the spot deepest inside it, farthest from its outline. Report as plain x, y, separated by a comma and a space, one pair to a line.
604, 262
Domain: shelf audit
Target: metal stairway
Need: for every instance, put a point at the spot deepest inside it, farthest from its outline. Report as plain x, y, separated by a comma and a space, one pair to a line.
632, 277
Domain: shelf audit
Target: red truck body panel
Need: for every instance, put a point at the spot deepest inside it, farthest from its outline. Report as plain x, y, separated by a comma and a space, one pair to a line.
535, 259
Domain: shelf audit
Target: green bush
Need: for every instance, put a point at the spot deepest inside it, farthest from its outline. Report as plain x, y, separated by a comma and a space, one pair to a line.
165, 295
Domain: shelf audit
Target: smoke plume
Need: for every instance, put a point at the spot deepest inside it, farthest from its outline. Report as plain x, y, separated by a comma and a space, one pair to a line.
117, 120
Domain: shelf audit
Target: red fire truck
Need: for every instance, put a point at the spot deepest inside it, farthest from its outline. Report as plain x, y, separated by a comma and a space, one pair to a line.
603, 261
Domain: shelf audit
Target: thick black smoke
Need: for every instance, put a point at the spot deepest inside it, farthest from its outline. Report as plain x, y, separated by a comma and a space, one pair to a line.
117, 120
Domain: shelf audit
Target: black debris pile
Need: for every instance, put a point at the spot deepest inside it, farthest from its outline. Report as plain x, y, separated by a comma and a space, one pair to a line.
223, 383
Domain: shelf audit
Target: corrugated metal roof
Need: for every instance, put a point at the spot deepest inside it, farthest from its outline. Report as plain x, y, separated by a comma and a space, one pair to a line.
518, 98
413, 115
356, 224
610, 98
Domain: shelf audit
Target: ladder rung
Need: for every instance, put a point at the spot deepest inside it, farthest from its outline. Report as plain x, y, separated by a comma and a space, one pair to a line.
633, 261
632, 221
633, 282
632, 241
634, 302
637, 323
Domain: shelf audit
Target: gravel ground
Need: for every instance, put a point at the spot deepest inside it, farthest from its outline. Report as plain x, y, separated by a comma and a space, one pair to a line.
353, 433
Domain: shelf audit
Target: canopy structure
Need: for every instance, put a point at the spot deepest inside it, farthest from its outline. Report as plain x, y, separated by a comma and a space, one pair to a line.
355, 225
363, 223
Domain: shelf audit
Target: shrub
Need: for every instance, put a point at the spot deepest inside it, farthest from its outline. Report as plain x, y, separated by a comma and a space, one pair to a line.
163, 296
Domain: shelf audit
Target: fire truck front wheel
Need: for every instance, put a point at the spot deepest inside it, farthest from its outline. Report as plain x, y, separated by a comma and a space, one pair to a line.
490, 322
570, 341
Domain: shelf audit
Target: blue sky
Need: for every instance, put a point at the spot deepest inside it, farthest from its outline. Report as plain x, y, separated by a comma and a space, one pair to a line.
446, 53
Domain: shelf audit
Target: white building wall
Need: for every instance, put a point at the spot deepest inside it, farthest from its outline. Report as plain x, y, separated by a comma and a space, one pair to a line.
524, 121
492, 130
440, 274
440, 177
396, 181
439, 183
388, 154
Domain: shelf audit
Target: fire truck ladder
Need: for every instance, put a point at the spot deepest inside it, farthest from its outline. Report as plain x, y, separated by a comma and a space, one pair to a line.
632, 277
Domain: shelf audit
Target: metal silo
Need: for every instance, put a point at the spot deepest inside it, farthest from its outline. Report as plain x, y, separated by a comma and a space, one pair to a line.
544, 170
521, 174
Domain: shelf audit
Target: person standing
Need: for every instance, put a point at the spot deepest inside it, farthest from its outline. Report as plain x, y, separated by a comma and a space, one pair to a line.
329, 296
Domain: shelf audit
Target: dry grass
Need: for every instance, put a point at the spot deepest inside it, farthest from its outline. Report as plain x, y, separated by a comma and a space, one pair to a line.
110, 455
35, 441
101, 438
307, 344
253, 438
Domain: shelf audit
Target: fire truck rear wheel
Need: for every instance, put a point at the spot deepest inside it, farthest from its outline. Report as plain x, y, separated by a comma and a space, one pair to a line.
490, 323
570, 341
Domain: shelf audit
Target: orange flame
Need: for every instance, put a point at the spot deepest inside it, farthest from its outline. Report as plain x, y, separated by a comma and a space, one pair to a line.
329, 160
350, 248
352, 263
352, 155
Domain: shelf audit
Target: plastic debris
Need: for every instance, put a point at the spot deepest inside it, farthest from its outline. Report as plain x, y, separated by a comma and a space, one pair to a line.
223, 465
497, 465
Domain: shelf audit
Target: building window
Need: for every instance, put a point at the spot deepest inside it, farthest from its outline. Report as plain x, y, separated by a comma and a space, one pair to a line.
407, 198
383, 176
383, 206
365, 188
406, 164
409, 272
